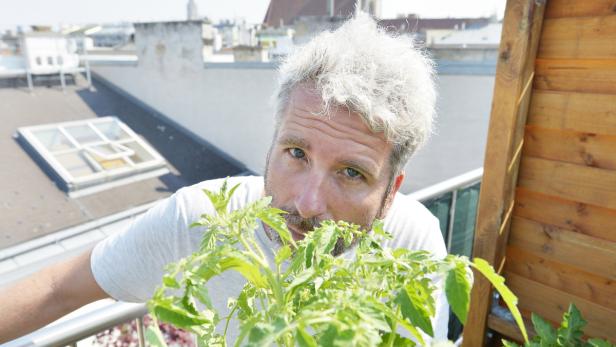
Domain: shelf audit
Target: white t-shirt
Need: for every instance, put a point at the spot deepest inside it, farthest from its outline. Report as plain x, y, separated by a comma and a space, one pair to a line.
130, 265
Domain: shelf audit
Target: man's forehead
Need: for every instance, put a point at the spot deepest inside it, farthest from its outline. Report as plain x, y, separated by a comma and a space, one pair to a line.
305, 94
306, 99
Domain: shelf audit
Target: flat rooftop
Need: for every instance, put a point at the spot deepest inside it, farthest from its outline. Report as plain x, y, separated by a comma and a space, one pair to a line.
33, 206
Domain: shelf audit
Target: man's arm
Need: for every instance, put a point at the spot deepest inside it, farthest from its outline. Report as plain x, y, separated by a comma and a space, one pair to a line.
46, 296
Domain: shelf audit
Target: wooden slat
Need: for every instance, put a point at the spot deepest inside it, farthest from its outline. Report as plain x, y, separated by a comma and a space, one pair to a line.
561, 276
594, 221
515, 68
509, 328
577, 8
578, 38
569, 181
587, 149
568, 247
591, 113
551, 303
585, 76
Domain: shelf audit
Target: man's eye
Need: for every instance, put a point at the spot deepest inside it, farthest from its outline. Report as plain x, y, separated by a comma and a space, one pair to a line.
297, 153
352, 173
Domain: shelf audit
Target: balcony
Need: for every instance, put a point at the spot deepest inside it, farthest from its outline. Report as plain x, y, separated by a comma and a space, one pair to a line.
453, 201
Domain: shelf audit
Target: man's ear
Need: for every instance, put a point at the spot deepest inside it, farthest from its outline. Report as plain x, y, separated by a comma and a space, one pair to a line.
395, 187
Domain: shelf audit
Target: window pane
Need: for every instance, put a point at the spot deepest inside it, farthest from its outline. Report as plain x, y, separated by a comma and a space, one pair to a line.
440, 209
53, 139
101, 153
83, 134
75, 164
112, 130
141, 155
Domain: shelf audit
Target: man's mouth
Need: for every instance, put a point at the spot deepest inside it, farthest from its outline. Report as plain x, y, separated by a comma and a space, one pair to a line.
297, 235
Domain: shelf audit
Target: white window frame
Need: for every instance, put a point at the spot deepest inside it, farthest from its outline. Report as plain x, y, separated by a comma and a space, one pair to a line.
103, 178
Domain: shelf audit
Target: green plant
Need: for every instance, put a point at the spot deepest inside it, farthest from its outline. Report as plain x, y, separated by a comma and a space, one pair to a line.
569, 334
307, 296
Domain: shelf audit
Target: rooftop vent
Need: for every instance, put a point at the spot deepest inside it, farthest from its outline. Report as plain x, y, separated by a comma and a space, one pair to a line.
91, 155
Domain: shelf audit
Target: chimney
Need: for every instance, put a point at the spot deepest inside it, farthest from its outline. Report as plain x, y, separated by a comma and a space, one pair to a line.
330, 8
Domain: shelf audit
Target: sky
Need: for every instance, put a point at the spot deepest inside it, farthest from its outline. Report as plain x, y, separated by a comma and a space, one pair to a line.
57, 12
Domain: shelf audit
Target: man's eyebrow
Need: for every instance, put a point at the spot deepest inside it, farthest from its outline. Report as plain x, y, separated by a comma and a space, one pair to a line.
365, 168
294, 141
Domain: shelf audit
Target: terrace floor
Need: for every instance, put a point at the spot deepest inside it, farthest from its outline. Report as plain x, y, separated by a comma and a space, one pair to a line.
30, 202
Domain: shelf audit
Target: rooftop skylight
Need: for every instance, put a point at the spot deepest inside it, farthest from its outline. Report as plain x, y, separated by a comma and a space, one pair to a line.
94, 154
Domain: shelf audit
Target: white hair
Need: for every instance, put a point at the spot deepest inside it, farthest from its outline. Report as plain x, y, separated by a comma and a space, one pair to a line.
384, 78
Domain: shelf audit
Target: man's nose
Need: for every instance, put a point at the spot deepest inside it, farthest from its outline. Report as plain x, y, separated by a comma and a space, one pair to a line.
311, 200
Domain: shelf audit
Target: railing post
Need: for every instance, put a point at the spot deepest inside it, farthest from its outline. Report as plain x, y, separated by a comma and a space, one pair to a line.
452, 216
140, 331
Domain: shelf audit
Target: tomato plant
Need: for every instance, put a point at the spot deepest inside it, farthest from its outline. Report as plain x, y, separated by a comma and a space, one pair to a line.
307, 296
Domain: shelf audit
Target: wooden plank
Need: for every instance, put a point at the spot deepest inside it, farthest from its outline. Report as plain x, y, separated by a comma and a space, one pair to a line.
565, 246
594, 221
569, 181
577, 8
590, 113
587, 149
563, 277
551, 303
586, 76
508, 327
578, 38
515, 67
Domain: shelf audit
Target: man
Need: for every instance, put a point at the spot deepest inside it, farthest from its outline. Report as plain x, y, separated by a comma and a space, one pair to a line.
352, 107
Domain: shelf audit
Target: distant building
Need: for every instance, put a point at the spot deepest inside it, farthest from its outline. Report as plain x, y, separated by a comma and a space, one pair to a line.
192, 12
277, 41
111, 35
9, 43
236, 33
426, 29
285, 12
475, 44
250, 54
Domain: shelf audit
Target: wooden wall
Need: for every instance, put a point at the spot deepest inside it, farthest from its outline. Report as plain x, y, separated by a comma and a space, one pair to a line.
558, 243
562, 243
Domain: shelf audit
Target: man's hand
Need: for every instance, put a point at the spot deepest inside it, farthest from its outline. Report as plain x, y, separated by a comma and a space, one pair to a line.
46, 296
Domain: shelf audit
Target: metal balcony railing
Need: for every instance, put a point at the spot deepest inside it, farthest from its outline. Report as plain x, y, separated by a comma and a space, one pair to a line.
453, 202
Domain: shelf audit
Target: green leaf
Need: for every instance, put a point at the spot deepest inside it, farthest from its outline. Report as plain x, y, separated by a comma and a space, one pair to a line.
179, 317
570, 331
259, 334
154, 337
414, 309
283, 254
221, 199
309, 254
398, 341
299, 281
599, 343
499, 283
544, 330
509, 344
328, 338
170, 282
247, 269
202, 294
272, 217
304, 339
246, 328
458, 290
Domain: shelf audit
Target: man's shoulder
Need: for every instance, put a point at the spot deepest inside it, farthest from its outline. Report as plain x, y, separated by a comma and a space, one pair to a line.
410, 209
413, 226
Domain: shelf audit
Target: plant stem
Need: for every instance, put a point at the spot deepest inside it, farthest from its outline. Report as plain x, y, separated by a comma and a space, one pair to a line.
392, 336
228, 320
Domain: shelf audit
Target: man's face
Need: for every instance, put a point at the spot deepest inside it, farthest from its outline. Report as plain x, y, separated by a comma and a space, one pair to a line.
327, 166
